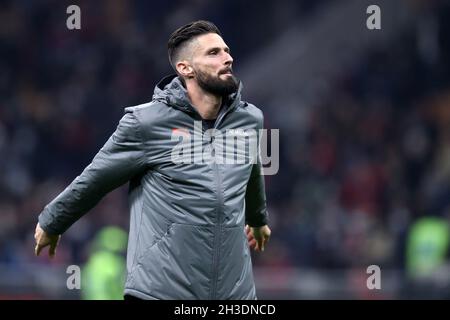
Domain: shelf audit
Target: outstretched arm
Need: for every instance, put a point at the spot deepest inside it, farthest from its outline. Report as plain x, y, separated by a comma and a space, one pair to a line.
121, 158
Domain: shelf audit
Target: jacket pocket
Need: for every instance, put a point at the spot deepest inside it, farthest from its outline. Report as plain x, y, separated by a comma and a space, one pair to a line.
177, 265
157, 240
235, 280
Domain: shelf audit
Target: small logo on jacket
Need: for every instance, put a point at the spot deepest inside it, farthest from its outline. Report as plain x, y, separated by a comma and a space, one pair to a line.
180, 132
237, 132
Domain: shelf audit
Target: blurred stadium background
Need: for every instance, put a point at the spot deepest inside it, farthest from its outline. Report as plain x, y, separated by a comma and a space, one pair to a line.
364, 119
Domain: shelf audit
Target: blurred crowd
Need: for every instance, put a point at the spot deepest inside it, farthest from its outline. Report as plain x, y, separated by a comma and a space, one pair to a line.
373, 159
370, 173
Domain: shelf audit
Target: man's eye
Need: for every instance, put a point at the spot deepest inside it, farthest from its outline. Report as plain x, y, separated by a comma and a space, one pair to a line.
213, 52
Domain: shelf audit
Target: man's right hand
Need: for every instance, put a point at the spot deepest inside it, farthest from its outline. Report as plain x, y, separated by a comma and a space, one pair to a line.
44, 239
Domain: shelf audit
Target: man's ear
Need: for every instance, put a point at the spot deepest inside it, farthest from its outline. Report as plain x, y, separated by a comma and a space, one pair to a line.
185, 69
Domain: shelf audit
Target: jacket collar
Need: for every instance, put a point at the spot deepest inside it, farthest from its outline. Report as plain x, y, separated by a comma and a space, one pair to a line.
171, 91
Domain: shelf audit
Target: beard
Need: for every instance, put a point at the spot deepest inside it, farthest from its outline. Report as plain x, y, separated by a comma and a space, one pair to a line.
215, 85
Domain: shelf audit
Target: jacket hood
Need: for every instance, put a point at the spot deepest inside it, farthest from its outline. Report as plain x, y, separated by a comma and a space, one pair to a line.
171, 91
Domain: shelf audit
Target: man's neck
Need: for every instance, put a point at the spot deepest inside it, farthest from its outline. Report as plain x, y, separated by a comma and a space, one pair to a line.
207, 104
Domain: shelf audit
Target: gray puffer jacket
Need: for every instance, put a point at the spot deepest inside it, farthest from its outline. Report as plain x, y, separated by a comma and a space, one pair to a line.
186, 238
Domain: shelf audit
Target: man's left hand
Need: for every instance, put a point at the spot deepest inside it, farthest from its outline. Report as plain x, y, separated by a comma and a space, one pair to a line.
257, 237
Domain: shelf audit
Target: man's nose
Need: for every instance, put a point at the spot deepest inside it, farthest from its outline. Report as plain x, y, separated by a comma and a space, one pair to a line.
228, 59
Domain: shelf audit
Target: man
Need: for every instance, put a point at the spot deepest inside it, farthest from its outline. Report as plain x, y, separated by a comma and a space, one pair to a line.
187, 238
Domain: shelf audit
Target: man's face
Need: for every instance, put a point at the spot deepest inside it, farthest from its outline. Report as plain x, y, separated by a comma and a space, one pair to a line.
212, 65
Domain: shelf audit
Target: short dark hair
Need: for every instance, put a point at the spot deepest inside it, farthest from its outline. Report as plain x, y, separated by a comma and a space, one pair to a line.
182, 35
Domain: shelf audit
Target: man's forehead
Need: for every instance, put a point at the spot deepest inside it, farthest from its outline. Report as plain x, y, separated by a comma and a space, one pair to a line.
209, 40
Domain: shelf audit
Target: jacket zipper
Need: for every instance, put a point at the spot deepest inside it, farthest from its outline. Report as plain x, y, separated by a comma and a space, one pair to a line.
217, 232
218, 227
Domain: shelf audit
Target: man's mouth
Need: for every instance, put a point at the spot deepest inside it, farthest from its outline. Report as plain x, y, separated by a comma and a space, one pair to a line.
227, 71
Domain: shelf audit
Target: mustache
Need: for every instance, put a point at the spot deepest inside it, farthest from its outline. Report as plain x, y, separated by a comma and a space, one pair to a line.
226, 70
